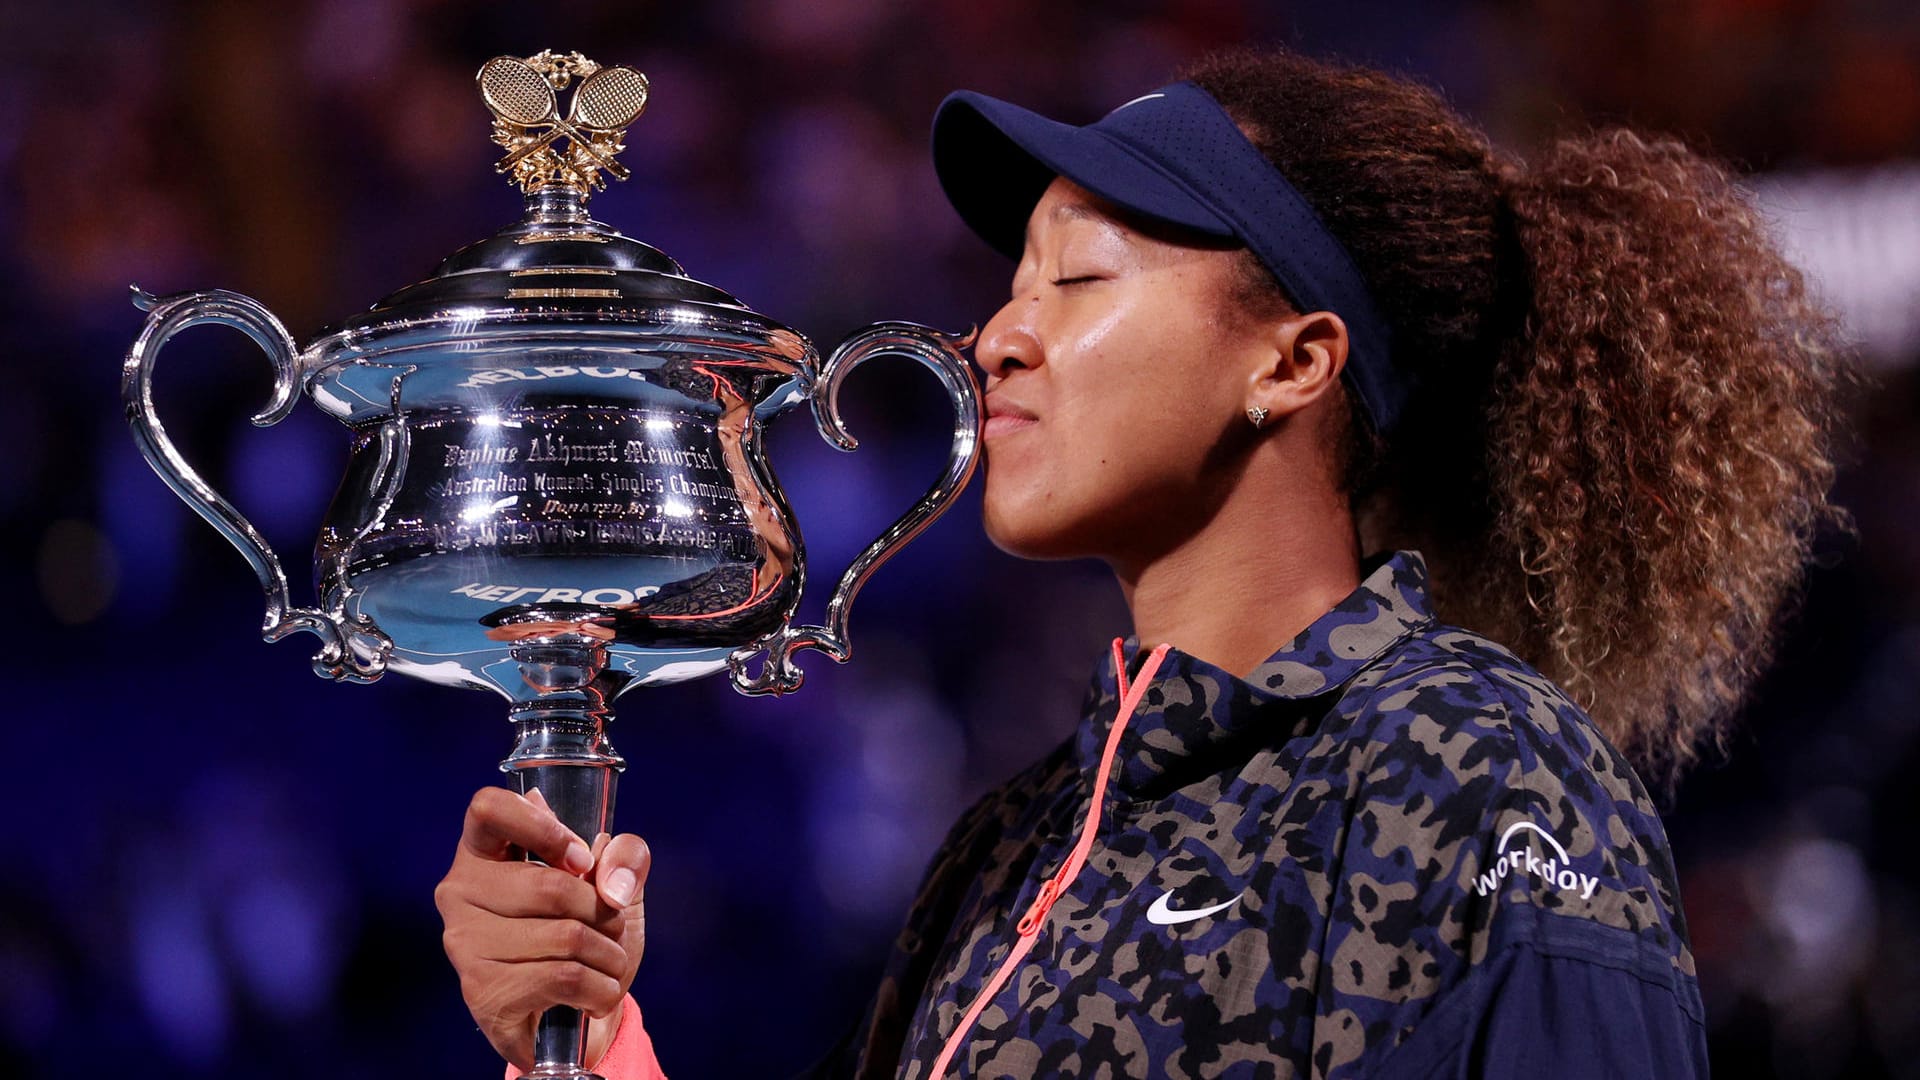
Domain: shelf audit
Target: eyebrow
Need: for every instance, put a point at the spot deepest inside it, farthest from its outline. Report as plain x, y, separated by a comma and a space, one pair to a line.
1077, 211
1067, 211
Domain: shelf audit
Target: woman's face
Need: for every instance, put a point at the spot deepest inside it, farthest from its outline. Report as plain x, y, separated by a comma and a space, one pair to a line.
1117, 386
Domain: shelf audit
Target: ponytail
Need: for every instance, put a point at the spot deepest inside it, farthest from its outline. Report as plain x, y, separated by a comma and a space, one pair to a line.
1658, 439
1622, 442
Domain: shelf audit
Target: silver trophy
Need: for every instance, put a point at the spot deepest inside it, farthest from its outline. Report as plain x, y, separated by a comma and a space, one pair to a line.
557, 488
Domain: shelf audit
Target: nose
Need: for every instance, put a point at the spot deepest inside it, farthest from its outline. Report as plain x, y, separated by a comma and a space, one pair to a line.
1007, 343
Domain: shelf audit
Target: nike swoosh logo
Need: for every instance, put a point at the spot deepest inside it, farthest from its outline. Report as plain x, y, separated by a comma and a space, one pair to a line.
1162, 913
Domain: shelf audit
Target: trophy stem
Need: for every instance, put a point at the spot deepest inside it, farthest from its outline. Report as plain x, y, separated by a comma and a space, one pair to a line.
557, 205
562, 750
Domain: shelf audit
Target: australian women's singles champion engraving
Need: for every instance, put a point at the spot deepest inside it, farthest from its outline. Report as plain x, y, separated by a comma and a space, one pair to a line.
557, 488
596, 478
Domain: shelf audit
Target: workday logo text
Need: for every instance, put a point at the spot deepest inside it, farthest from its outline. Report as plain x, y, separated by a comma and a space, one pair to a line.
1552, 871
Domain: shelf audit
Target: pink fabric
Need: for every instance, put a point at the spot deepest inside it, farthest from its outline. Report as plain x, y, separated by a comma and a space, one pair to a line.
631, 1055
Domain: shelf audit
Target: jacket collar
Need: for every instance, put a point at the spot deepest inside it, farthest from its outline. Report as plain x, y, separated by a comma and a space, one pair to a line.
1196, 711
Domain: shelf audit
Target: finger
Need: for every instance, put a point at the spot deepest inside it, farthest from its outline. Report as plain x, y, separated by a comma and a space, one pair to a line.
498, 821
621, 868
528, 891
633, 939
542, 984
474, 893
519, 941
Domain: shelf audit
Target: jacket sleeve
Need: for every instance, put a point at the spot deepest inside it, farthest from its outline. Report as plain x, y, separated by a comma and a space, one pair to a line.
1575, 1018
1505, 898
1573, 1007
630, 1057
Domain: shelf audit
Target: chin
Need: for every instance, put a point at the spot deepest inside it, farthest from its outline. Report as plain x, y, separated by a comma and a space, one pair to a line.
1029, 535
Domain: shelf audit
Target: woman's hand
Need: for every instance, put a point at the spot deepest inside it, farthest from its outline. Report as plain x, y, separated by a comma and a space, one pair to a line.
526, 937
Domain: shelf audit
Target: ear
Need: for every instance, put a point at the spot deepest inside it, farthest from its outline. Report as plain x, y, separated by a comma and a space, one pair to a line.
1305, 357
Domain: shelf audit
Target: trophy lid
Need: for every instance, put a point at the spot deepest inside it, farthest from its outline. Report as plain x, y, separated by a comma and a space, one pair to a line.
557, 262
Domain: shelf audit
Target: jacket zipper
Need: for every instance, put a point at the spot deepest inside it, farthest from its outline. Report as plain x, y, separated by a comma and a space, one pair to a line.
1030, 925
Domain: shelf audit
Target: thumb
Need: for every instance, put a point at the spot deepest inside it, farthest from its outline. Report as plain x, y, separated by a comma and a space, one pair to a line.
620, 875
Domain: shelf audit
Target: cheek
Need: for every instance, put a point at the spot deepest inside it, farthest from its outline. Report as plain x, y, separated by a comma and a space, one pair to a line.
1106, 463
1155, 405
1134, 407
1037, 483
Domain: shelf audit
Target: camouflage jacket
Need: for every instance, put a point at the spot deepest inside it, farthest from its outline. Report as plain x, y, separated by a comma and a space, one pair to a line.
1393, 850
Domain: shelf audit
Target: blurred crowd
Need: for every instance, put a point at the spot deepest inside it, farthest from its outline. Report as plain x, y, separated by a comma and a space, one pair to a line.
228, 865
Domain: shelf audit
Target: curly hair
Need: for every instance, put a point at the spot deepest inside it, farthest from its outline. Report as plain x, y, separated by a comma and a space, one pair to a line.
1622, 438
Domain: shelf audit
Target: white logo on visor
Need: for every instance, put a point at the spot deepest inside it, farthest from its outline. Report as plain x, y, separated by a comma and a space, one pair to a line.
1138, 100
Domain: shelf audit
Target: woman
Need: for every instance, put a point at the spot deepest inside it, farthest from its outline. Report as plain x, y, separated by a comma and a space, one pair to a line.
1264, 320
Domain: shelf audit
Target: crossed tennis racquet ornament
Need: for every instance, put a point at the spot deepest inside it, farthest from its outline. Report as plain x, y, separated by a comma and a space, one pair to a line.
545, 146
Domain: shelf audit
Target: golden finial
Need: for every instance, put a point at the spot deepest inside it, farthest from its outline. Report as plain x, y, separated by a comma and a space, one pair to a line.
522, 94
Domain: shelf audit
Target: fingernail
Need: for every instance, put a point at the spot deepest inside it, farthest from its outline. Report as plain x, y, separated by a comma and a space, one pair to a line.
620, 885
579, 860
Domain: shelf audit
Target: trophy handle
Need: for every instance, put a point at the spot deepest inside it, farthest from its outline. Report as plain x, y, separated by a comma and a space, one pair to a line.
940, 353
354, 650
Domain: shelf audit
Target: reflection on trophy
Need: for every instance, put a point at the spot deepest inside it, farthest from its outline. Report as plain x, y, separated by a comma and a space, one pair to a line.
557, 488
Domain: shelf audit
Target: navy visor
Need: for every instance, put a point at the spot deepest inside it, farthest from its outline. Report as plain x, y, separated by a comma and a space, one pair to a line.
1174, 156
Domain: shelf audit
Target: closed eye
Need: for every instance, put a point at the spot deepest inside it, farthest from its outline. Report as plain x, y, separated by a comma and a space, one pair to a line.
1082, 279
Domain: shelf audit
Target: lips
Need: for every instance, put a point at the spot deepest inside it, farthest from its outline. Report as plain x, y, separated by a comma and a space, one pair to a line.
1005, 417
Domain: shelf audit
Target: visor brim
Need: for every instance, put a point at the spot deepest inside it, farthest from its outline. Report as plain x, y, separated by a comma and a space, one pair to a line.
995, 160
